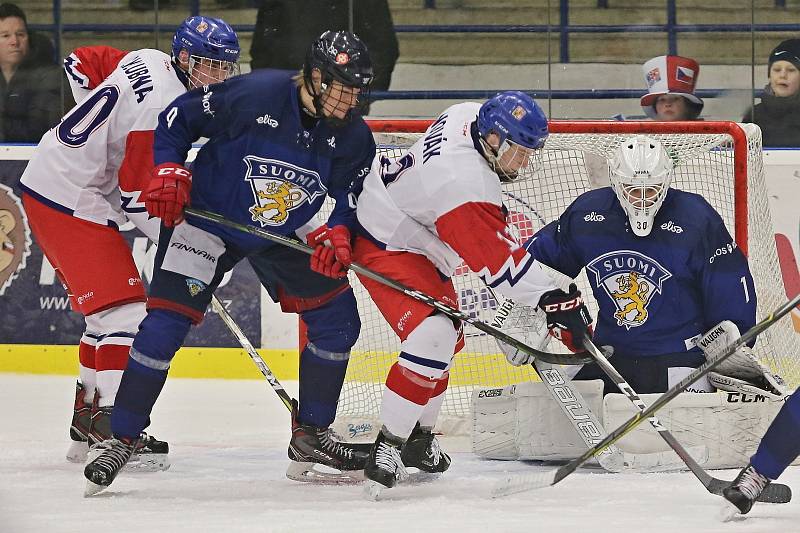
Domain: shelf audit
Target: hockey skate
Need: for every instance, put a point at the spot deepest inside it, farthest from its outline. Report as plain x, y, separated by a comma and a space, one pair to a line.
744, 491
79, 428
112, 456
319, 456
150, 455
422, 451
384, 467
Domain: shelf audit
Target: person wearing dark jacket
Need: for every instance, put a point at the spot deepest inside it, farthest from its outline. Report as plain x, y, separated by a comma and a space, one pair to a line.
30, 85
778, 114
285, 27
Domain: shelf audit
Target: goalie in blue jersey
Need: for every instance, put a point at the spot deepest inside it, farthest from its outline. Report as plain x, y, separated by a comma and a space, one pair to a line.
278, 145
670, 282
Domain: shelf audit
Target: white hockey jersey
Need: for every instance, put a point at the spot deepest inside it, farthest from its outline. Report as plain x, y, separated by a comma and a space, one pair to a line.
106, 142
441, 199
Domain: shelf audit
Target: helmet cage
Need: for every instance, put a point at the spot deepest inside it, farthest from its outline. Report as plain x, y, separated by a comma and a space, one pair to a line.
210, 71
512, 161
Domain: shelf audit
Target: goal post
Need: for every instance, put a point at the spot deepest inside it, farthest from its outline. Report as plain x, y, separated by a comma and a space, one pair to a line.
722, 161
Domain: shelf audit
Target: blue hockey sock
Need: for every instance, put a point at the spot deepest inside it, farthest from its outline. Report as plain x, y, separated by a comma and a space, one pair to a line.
781, 444
160, 335
321, 379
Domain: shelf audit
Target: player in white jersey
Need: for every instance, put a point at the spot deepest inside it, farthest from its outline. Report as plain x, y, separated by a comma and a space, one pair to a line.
421, 216
84, 182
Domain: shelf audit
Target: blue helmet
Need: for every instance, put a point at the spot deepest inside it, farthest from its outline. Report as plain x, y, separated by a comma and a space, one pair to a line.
206, 37
514, 117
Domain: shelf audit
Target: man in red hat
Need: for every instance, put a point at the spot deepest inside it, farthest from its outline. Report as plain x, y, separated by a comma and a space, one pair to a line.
670, 89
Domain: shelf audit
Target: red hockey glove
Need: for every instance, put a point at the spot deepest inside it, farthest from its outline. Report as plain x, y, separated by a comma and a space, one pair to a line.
568, 320
332, 250
168, 193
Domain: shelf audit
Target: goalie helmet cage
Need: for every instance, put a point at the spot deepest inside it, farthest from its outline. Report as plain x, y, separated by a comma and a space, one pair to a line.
722, 161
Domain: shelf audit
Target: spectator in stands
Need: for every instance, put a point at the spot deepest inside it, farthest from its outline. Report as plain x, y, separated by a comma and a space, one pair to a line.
670, 89
778, 114
30, 87
285, 27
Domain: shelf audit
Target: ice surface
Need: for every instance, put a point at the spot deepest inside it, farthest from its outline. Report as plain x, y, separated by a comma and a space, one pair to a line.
228, 452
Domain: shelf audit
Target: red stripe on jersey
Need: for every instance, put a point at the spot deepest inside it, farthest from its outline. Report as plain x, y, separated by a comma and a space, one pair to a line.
413, 387
137, 166
478, 232
86, 355
441, 385
97, 62
112, 357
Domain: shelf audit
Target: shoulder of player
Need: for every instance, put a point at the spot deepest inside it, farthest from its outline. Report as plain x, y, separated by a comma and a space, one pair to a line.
258, 93
148, 77
595, 205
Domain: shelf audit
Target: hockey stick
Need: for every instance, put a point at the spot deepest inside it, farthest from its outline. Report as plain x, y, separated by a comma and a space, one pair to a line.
584, 421
778, 494
251, 351
558, 359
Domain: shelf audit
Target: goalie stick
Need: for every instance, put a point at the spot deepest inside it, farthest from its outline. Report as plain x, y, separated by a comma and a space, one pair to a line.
558, 359
774, 492
583, 420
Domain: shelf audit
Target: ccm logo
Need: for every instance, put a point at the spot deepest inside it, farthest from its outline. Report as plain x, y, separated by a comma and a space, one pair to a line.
180, 171
563, 306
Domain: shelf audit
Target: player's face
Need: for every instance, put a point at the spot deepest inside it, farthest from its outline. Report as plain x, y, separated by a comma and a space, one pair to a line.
209, 71
671, 107
641, 197
784, 78
339, 99
13, 41
515, 158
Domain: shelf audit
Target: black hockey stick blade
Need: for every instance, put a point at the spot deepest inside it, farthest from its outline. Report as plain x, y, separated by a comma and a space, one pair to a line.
554, 358
778, 494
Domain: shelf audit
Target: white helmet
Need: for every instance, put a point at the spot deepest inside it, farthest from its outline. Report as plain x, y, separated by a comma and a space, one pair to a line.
641, 171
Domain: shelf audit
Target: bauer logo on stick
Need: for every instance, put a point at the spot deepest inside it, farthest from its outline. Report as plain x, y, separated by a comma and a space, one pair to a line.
15, 237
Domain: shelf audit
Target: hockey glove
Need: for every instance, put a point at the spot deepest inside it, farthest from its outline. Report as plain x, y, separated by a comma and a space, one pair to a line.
568, 320
742, 371
168, 193
332, 250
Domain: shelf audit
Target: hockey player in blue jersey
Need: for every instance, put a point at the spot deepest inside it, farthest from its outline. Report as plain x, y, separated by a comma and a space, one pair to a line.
278, 145
669, 279
779, 447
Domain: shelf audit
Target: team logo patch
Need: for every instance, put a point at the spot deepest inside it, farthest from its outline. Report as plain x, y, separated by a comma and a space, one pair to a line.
203, 26
518, 112
15, 237
653, 77
342, 58
630, 280
195, 286
684, 75
279, 188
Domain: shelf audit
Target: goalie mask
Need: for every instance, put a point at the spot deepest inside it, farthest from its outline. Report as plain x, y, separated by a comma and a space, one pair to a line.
641, 171
343, 61
520, 126
207, 49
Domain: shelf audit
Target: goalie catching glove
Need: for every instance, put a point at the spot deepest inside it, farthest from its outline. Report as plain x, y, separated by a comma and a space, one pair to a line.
742, 371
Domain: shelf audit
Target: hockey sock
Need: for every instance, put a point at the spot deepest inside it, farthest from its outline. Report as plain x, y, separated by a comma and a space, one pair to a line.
781, 444
86, 371
431, 411
112, 357
321, 378
404, 399
160, 335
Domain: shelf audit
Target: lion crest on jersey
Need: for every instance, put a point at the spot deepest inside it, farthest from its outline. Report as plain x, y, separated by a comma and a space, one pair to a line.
631, 280
15, 237
278, 188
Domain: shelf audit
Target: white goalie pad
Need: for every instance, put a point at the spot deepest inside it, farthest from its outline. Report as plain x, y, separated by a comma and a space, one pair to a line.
523, 422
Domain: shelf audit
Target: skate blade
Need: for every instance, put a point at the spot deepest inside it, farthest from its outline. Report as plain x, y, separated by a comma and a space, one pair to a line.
729, 512
308, 472
92, 489
78, 451
373, 490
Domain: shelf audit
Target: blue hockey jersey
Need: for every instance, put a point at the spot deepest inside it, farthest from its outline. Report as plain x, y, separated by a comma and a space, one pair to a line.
260, 165
655, 293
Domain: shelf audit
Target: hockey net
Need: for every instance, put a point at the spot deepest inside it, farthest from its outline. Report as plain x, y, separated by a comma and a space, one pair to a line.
722, 161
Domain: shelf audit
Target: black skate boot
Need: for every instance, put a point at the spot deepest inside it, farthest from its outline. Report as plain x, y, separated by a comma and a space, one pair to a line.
79, 428
150, 455
422, 451
384, 467
112, 456
311, 446
745, 489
